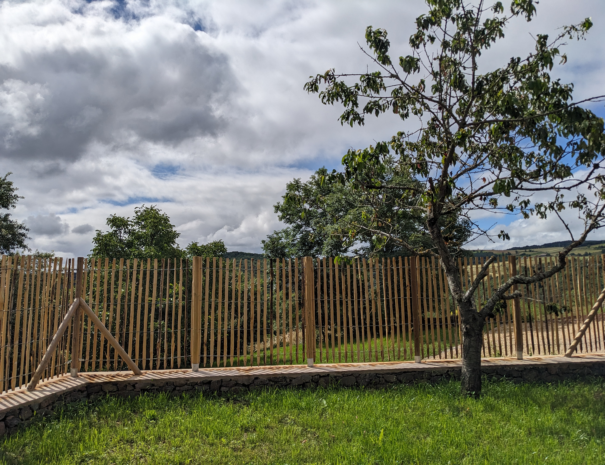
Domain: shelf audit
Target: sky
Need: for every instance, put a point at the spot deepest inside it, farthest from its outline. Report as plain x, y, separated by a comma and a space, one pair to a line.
198, 107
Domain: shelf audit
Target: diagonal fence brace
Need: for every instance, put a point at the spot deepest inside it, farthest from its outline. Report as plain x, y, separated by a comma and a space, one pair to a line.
79, 303
591, 316
53, 345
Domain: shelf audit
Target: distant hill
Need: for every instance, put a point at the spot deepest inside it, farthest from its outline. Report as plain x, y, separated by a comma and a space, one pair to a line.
550, 248
244, 255
560, 244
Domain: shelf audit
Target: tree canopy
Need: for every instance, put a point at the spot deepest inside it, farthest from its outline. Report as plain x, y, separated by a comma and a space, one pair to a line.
149, 234
12, 233
328, 218
476, 136
212, 249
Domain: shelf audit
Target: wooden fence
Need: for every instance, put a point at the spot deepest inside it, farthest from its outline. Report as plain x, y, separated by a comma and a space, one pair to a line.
178, 313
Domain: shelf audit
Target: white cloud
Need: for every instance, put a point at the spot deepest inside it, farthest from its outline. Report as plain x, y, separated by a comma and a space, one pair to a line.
198, 106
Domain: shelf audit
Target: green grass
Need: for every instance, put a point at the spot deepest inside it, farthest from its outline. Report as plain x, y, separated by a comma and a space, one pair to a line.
560, 423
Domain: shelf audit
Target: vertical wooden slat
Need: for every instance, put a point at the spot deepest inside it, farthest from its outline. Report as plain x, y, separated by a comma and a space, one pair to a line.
586, 303
212, 309
532, 322
239, 311
111, 310
598, 287
103, 312
56, 306
132, 309
37, 312
233, 308
5, 272
275, 304
139, 332
296, 300
97, 271
258, 305
499, 317
219, 312
512, 260
550, 282
324, 331
60, 302
166, 313
225, 312
180, 314
309, 309
77, 321
535, 337
146, 328
336, 272
330, 297
284, 307
547, 322
347, 287
439, 323
196, 312
207, 301
591, 298
560, 297
39, 326
273, 309
425, 305
406, 307
44, 311
399, 296
356, 297
370, 332
391, 302
445, 305
154, 304
575, 322
156, 336
122, 341
376, 307
440, 301
245, 316
416, 316
21, 313
293, 332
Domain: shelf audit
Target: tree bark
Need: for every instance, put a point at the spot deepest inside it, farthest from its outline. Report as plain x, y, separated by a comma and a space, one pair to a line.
472, 342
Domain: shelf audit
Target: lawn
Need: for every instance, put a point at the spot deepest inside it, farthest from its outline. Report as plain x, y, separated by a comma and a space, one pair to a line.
560, 423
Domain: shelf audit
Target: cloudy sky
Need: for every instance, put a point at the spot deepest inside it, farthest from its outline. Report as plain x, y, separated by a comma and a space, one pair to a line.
198, 107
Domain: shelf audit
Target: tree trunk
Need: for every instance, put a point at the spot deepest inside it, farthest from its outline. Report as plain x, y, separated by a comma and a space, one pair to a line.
472, 342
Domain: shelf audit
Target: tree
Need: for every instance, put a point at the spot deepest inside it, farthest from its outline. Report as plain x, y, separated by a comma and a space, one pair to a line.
328, 218
12, 233
477, 137
212, 249
148, 235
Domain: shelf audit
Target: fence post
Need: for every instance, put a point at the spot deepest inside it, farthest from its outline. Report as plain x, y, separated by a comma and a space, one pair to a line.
309, 312
512, 262
416, 316
196, 316
77, 333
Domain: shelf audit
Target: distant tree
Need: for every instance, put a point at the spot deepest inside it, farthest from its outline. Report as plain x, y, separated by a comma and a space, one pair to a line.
326, 217
12, 233
149, 234
43, 255
212, 249
478, 135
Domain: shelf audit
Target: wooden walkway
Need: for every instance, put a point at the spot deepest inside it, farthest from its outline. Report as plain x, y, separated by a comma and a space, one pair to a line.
54, 387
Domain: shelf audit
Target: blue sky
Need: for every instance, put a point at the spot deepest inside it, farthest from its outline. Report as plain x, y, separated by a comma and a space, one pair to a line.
198, 107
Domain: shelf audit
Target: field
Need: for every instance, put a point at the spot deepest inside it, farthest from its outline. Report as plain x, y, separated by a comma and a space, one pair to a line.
560, 423
586, 250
